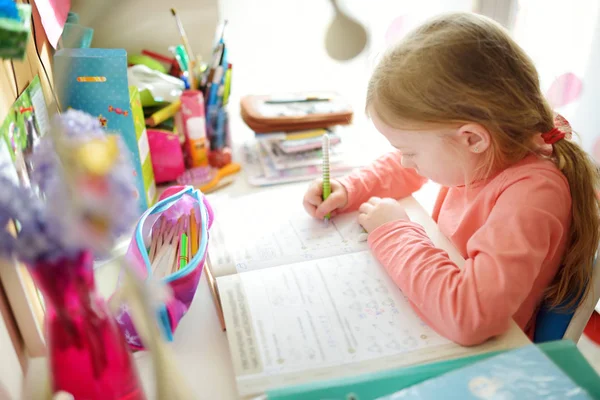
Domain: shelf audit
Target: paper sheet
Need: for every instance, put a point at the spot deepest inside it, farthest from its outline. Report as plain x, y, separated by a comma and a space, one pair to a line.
263, 231
324, 313
39, 106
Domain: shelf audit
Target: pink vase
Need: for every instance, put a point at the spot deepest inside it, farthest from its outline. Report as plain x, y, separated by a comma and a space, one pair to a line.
88, 355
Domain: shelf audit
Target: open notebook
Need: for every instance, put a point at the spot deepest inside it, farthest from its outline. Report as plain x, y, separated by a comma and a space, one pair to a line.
271, 228
302, 301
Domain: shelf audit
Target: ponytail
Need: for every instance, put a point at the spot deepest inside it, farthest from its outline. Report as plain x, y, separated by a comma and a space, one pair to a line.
573, 279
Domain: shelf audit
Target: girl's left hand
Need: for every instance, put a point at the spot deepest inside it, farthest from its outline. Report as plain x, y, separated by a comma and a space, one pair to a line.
377, 212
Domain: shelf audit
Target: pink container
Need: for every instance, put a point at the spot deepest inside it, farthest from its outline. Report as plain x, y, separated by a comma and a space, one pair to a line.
88, 354
166, 154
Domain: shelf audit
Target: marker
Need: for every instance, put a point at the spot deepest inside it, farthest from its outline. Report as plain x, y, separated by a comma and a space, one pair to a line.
326, 182
188, 49
164, 114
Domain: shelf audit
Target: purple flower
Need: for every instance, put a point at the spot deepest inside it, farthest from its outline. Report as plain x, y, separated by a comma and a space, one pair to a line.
113, 204
79, 125
32, 242
90, 213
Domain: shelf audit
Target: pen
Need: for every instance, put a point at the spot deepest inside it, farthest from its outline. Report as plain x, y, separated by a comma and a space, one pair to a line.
220, 127
182, 58
298, 100
326, 182
214, 88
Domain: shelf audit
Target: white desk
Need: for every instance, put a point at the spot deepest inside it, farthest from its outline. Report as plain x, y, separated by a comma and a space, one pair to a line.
201, 347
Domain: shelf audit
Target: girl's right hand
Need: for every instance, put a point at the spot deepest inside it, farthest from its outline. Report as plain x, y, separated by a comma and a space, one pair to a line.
313, 199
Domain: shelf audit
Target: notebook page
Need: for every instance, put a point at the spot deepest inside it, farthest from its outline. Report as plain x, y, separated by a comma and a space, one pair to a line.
272, 228
309, 320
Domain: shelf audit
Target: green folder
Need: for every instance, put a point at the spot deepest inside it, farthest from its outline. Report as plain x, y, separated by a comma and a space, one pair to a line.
563, 353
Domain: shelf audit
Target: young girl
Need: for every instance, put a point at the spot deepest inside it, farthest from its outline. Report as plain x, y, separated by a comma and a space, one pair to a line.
461, 102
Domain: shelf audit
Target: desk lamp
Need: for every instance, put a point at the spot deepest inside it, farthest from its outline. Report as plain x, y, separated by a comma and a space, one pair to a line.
346, 37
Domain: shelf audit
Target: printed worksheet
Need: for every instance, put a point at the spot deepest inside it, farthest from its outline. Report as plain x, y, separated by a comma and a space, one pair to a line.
276, 230
320, 314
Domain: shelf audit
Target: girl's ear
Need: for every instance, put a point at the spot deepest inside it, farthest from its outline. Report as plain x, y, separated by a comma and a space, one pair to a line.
474, 137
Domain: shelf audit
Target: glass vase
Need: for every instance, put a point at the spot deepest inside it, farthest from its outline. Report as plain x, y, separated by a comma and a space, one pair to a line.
87, 353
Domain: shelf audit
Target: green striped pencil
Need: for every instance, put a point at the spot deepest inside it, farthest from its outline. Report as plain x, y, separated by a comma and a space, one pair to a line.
326, 182
183, 254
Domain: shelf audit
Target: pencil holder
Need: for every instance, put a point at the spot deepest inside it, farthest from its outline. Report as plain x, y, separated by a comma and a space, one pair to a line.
217, 129
176, 203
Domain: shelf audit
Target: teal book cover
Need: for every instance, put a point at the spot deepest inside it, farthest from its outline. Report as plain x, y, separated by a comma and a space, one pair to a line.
525, 373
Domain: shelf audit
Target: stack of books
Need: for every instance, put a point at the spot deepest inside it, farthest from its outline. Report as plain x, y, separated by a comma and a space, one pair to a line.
296, 156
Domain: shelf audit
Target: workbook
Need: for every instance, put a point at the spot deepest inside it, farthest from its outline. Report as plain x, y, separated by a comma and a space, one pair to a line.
271, 228
304, 300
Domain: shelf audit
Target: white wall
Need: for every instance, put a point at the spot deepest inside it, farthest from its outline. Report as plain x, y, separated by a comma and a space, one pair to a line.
148, 24
279, 45
586, 118
574, 48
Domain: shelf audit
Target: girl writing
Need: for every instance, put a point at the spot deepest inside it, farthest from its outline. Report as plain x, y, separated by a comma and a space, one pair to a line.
461, 103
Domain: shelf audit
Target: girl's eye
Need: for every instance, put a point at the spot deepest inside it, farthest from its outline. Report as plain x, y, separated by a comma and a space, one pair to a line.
409, 155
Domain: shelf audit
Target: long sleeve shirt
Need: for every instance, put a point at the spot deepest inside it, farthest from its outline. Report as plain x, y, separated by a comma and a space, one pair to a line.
512, 230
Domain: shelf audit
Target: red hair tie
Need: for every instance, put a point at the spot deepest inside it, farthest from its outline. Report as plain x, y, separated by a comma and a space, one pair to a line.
562, 129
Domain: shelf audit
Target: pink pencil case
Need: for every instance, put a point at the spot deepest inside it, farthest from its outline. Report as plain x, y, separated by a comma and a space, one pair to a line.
184, 282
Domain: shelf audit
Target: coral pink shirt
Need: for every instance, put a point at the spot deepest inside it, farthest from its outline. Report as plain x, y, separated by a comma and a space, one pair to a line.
512, 230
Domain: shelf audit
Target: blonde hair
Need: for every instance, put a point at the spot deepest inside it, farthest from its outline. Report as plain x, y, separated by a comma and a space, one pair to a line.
463, 67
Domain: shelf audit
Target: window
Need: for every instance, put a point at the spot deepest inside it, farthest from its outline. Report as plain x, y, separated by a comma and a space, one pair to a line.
563, 39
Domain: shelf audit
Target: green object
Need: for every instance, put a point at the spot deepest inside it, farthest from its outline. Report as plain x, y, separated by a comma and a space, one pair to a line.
183, 251
182, 58
72, 17
136, 59
227, 87
14, 34
563, 353
148, 100
27, 120
141, 136
76, 36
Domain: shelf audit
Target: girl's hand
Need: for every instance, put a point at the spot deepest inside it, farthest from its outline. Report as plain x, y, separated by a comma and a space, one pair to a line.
313, 199
377, 212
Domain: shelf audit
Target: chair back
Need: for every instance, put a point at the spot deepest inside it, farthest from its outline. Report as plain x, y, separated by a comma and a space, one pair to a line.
556, 324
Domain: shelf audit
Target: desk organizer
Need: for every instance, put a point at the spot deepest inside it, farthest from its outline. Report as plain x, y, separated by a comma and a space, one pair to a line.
95, 81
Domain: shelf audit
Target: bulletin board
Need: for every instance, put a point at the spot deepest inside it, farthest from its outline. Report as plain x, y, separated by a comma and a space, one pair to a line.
20, 309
